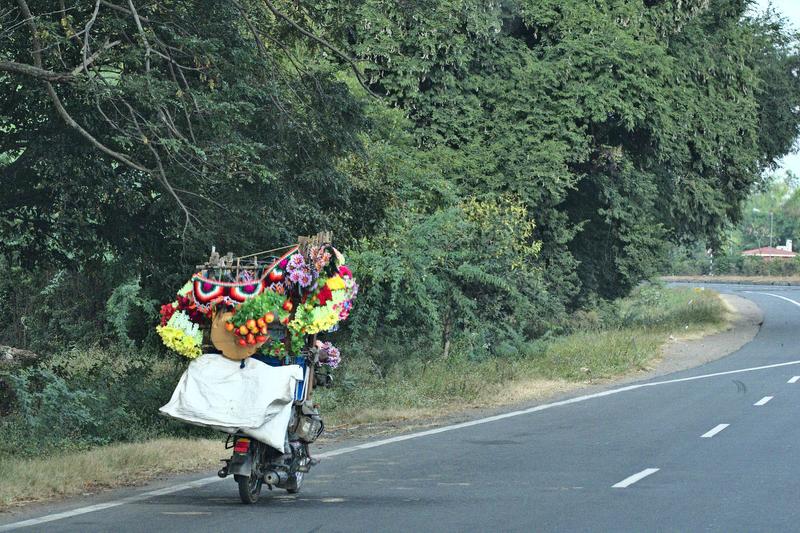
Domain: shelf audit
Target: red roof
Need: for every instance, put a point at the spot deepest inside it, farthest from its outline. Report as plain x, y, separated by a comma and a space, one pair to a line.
769, 251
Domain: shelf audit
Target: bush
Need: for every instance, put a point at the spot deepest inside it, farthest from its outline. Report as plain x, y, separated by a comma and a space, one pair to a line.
463, 275
87, 397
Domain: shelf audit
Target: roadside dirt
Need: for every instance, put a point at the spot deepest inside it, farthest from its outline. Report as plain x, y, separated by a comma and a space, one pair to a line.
745, 319
678, 353
736, 280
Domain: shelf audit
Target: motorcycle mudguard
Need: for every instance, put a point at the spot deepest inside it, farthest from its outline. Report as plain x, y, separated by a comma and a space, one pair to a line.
241, 464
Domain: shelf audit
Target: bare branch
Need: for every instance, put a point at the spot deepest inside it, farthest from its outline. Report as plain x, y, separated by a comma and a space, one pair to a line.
214, 202
252, 28
36, 72
323, 42
88, 61
37, 59
148, 49
121, 9
162, 175
86, 31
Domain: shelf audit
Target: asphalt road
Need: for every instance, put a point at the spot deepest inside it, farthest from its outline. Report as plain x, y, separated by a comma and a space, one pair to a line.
632, 460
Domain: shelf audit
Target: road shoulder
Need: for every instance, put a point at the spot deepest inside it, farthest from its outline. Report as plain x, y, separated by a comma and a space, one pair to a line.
677, 354
744, 321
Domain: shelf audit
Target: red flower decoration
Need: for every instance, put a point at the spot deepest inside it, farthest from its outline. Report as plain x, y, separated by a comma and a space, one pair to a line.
195, 315
166, 313
324, 295
345, 272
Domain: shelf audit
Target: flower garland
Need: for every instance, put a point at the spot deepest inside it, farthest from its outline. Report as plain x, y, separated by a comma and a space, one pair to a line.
302, 295
329, 354
181, 335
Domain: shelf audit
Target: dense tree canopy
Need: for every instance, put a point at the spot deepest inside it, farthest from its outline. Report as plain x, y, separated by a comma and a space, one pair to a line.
489, 163
618, 124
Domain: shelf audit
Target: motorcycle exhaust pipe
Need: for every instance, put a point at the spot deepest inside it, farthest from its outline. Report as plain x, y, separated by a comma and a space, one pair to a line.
276, 478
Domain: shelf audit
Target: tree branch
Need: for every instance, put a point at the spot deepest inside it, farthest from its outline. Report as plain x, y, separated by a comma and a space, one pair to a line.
37, 59
350, 61
87, 30
121, 9
89, 60
36, 72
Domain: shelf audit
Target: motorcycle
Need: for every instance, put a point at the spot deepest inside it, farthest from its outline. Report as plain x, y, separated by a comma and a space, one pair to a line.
254, 464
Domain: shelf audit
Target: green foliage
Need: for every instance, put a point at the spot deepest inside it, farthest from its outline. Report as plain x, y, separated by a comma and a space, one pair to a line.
524, 160
56, 415
126, 310
255, 308
87, 397
657, 308
611, 340
770, 216
470, 269
619, 125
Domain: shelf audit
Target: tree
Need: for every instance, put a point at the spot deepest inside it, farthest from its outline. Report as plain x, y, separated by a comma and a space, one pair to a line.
619, 124
132, 131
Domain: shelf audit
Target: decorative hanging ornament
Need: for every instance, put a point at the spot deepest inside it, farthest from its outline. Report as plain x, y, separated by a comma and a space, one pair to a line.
276, 275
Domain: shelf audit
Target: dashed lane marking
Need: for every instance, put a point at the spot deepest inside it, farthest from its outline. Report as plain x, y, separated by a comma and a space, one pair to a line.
763, 401
374, 444
710, 433
628, 481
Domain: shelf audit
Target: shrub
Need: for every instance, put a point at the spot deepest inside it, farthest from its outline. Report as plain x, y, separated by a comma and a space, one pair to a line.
87, 397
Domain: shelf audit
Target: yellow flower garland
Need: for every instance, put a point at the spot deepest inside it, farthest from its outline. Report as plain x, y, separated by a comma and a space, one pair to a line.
175, 339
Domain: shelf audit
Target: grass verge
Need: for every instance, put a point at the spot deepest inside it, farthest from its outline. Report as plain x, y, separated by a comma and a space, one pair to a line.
611, 342
25, 481
754, 280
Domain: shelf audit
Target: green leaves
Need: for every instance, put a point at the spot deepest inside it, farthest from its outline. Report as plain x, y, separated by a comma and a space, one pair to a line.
615, 125
639, 122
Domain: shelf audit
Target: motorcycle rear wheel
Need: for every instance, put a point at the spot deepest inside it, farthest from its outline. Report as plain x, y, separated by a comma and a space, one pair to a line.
249, 487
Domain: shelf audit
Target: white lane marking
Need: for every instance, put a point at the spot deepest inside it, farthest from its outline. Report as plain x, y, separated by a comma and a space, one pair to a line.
794, 379
383, 442
710, 433
628, 481
776, 296
763, 400
109, 505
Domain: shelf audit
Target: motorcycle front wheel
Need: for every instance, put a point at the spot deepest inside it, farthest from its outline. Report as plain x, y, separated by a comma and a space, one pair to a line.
295, 482
249, 487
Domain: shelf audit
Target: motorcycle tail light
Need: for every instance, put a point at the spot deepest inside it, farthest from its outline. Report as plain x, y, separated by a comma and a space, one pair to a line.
241, 446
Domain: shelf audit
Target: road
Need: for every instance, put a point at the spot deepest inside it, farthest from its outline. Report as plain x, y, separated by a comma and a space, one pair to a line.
714, 448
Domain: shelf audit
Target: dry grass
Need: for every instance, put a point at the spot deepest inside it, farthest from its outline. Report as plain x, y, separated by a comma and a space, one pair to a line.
754, 280
526, 389
29, 480
416, 389
408, 397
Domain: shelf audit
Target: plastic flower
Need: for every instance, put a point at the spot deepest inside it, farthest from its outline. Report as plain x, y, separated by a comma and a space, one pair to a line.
298, 271
345, 272
329, 354
296, 262
324, 294
335, 283
181, 335
315, 320
176, 340
320, 257
167, 310
305, 279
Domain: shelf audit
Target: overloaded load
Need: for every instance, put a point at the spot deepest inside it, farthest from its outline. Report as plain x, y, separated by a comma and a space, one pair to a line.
247, 397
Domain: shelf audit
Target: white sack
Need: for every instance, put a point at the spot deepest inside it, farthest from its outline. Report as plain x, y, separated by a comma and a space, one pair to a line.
218, 393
